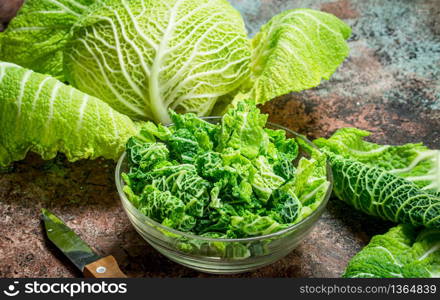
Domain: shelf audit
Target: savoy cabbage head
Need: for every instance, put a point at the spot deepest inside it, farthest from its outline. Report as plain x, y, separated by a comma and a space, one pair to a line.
144, 57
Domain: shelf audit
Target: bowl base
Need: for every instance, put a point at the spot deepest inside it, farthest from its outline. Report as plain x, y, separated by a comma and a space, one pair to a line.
217, 268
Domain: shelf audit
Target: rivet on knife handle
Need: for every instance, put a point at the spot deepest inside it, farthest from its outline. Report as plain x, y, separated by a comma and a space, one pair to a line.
106, 267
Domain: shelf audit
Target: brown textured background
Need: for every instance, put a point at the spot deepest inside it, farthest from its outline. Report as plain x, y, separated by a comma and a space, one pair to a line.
389, 85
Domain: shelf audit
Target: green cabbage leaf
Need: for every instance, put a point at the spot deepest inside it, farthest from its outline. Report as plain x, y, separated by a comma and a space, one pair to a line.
37, 37
254, 225
264, 180
41, 114
166, 208
402, 252
415, 162
377, 192
243, 129
294, 51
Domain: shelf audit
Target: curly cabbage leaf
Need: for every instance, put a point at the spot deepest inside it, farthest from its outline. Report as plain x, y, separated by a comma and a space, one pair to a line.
151, 131
264, 181
190, 137
230, 187
242, 129
284, 148
284, 168
287, 206
37, 36
377, 192
166, 208
294, 51
310, 184
146, 155
144, 57
415, 162
402, 252
254, 225
41, 114
183, 182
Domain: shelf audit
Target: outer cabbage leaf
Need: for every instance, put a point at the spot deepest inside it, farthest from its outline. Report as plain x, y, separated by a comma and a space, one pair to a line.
144, 56
415, 162
377, 192
294, 51
401, 252
36, 38
41, 114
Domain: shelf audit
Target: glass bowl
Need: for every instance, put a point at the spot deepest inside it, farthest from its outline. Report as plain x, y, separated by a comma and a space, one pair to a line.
216, 255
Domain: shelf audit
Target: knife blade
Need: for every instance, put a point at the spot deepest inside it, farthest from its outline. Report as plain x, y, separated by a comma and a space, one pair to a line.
78, 252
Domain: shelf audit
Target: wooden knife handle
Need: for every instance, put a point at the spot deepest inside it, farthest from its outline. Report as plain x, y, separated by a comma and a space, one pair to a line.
106, 267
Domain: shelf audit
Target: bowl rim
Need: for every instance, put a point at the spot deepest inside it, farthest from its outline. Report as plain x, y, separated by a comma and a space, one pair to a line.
138, 215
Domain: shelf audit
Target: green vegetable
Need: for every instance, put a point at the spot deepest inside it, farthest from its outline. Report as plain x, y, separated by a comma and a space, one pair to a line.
264, 181
221, 179
310, 183
243, 129
41, 114
377, 192
397, 183
143, 57
37, 37
401, 252
415, 162
165, 207
254, 225
294, 51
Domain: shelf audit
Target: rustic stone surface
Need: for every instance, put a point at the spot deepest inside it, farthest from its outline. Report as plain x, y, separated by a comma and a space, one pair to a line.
389, 85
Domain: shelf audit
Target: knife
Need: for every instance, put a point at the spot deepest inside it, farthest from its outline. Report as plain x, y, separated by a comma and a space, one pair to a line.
79, 253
